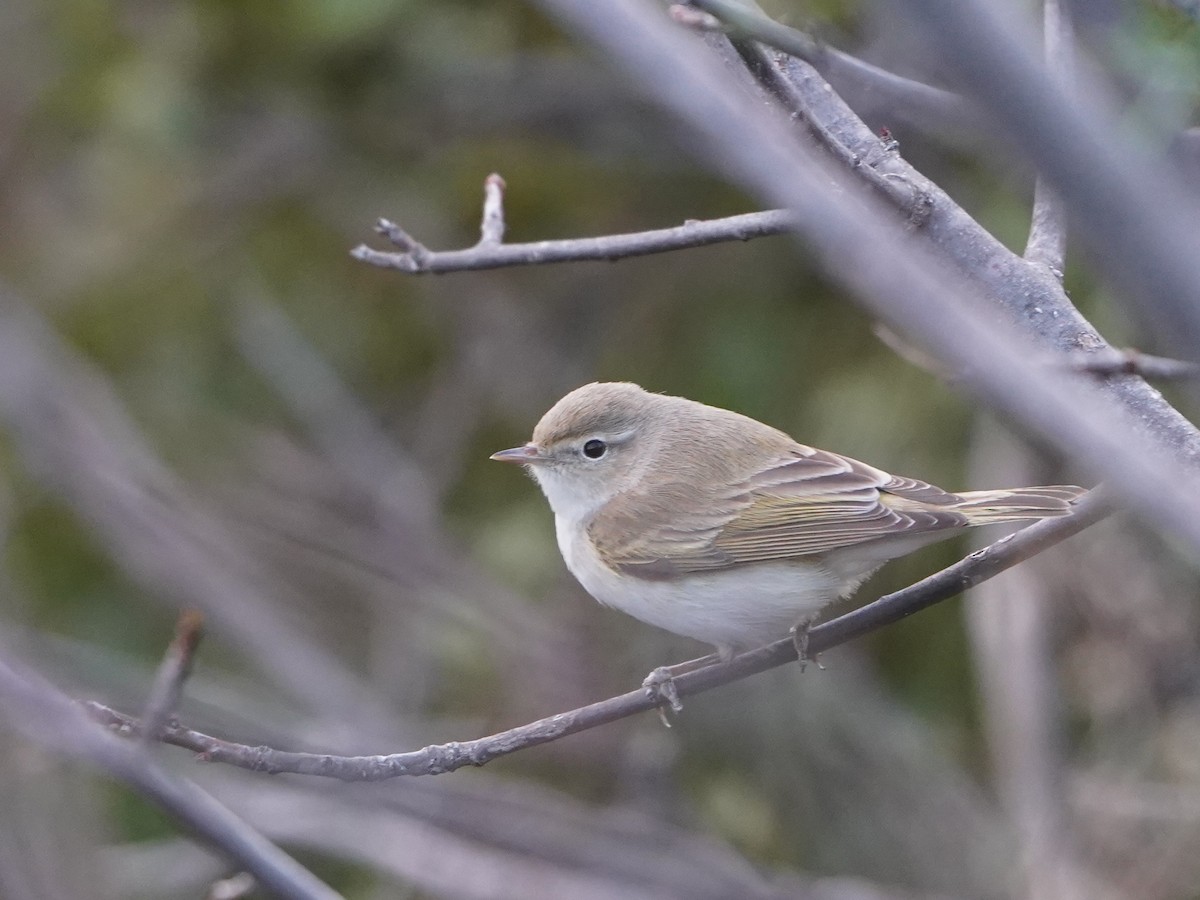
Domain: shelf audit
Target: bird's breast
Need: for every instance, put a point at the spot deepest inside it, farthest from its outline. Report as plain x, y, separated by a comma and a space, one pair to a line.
736, 608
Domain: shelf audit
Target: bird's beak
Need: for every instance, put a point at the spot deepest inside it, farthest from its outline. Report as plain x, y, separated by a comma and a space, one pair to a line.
522, 456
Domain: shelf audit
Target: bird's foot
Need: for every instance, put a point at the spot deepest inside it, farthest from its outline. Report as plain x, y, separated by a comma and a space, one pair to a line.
660, 684
799, 634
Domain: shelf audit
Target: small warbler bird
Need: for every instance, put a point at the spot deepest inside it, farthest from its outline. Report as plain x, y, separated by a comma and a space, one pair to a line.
712, 525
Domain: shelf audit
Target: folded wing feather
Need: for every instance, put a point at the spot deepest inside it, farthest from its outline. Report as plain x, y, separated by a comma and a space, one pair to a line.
811, 502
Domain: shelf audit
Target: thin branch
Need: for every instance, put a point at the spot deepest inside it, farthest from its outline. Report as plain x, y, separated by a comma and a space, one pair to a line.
172, 673
417, 259
1047, 242
1113, 361
441, 758
1107, 362
920, 101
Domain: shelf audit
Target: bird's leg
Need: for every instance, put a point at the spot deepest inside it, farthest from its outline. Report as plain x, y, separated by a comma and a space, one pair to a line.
799, 633
660, 683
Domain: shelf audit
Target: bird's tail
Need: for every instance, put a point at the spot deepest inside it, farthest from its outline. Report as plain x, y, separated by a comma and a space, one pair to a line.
1015, 504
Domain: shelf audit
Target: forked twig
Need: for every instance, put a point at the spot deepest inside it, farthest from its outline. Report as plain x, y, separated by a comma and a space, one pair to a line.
492, 253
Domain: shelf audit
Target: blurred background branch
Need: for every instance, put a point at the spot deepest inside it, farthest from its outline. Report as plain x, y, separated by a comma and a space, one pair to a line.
54, 721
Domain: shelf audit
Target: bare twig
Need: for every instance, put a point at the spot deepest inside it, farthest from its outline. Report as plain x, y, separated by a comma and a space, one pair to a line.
438, 759
1107, 362
1128, 361
692, 17
417, 259
172, 673
912, 354
234, 888
491, 228
409, 246
1047, 243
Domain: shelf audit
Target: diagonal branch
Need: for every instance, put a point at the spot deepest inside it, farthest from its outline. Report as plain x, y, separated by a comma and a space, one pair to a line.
1128, 208
438, 759
920, 102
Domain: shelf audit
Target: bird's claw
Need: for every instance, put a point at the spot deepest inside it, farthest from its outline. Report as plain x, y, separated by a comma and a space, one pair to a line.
660, 686
800, 642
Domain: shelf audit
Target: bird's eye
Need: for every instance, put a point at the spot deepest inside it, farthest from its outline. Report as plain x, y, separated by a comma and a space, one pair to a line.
595, 448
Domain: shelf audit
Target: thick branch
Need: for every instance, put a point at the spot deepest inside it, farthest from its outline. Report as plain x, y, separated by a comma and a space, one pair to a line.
869, 159
1139, 225
920, 103
417, 259
1031, 294
441, 758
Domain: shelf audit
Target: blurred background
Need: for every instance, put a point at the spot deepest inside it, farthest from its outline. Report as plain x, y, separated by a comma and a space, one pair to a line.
205, 402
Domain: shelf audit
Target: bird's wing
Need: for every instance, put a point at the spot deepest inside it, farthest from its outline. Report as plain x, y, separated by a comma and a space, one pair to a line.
809, 502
